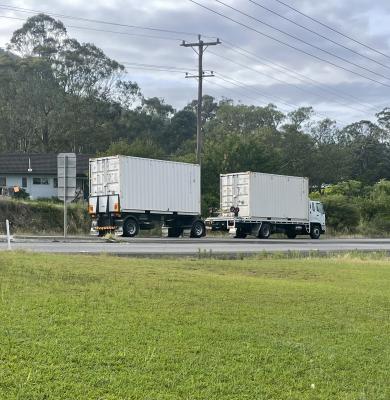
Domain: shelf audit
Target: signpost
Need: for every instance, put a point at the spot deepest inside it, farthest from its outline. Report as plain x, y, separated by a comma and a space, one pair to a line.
66, 173
8, 235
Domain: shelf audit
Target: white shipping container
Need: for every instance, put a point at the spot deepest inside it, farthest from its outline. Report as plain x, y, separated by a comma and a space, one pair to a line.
147, 185
261, 195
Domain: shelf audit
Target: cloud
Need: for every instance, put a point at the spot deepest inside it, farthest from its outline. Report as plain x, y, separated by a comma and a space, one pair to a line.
360, 19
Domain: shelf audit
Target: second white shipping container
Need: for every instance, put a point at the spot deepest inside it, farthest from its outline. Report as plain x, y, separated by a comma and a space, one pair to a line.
259, 195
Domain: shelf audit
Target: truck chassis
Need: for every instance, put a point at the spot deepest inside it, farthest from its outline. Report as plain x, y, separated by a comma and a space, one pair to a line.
263, 227
107, 217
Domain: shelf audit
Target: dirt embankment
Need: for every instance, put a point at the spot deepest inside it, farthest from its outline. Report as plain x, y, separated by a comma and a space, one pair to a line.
43, 217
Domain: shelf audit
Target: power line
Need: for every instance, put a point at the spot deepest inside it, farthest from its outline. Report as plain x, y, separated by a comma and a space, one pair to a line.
182, 69
242, 85
154, 69
333, 29
237, 50
318, 34
96, 21
145, 67
280, 108
235, 82
106, 31
294, 106
245, 95
289, 45
297, 75
276, 79
302, 41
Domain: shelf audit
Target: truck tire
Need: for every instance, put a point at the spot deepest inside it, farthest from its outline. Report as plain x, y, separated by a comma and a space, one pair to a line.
174, 232
315, 232
198, 229
265, 231
291, 234
240, 234
130, 227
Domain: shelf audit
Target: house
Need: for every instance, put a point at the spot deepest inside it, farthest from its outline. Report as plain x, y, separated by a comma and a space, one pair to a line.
37, 174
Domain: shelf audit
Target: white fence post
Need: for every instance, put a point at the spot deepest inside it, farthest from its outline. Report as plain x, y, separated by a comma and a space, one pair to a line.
8, 235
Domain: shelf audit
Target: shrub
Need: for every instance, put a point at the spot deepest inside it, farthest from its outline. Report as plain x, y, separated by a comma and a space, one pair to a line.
342, 215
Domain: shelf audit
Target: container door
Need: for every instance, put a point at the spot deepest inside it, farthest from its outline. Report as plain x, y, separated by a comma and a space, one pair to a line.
235, 193
104, 176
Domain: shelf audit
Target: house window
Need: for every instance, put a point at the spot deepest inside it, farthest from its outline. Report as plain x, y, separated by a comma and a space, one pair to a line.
40, 181
24, 182
3, 181
55, 182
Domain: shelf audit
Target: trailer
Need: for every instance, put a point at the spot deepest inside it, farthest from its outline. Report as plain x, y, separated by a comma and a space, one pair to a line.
129, 194
258, 204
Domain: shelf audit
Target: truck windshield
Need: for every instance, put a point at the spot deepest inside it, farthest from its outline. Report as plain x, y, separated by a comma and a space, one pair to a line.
320, 208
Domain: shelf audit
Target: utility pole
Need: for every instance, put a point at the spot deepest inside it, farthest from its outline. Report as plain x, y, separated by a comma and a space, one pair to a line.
201, 46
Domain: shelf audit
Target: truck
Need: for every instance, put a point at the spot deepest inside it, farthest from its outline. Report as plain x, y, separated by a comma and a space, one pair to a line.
259, 204
129, 194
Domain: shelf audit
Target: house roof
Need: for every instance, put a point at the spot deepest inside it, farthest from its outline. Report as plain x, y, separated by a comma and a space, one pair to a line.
44, 164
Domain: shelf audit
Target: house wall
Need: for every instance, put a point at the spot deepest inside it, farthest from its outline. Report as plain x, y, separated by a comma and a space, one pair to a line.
36, 191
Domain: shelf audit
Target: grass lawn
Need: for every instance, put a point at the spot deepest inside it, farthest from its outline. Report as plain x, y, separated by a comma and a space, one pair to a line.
114, 328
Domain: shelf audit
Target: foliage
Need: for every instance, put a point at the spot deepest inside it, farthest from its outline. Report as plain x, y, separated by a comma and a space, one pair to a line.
138, 148
341, 214
352, 206
346, 188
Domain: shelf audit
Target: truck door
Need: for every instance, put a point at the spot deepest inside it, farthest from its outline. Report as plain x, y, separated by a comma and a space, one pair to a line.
317, 214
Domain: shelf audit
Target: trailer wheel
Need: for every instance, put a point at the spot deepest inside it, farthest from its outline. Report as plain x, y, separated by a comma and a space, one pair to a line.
198, 229
265, 231
174, 232
315, 232
130, 227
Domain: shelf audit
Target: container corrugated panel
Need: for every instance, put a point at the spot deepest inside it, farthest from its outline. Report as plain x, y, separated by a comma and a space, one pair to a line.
261, 195
147, 185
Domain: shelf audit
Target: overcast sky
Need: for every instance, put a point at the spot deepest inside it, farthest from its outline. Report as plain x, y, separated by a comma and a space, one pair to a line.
342, 95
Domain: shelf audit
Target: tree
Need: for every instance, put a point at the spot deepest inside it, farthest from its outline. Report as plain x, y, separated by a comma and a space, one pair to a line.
368, 153
60, 95
180, 132
139, 148
40, 36
209, 108
30, 100
299, 116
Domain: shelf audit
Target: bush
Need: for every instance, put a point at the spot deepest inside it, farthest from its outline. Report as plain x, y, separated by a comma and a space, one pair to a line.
379, 225
348, 188
341, 214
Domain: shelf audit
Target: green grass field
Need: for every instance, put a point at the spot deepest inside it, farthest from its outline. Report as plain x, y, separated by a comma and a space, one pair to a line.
113, 328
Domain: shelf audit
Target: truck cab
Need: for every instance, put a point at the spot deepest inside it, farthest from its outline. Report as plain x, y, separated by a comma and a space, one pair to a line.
316, 218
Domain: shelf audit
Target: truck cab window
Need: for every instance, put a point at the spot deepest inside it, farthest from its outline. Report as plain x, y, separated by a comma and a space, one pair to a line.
320, 208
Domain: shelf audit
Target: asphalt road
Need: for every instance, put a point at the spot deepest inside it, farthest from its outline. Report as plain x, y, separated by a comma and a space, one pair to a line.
154, 247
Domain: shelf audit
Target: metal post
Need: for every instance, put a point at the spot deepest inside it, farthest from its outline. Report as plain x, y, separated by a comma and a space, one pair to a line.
8, 235
65, 210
